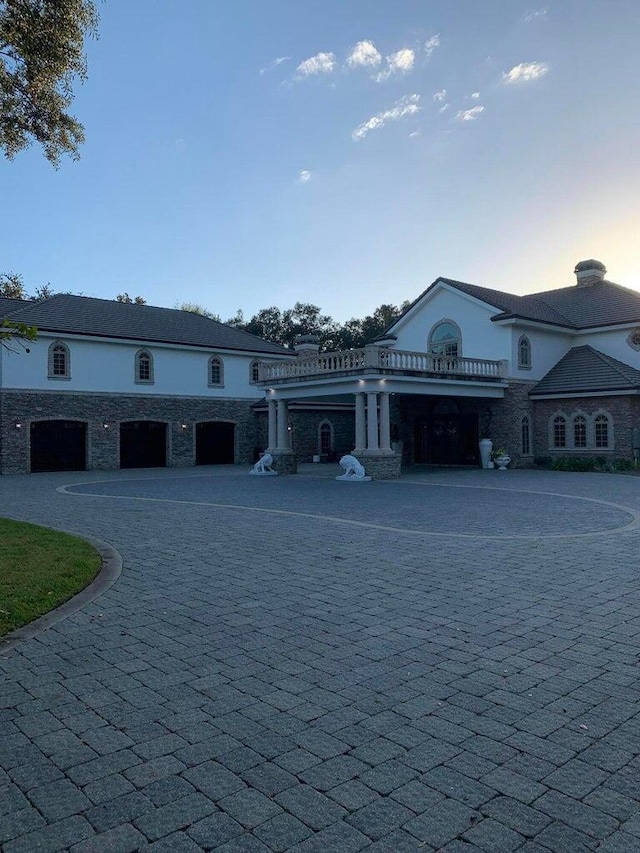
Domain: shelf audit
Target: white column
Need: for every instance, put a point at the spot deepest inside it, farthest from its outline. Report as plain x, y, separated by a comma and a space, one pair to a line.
283, 433
385, 426
273, 438
372, 421
361, 429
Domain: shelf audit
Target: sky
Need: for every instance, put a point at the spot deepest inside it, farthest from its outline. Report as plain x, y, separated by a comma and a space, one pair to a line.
247, 153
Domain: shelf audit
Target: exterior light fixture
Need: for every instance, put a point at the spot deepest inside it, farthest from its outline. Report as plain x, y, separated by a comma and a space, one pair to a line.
183, 426
18, 425
105, 425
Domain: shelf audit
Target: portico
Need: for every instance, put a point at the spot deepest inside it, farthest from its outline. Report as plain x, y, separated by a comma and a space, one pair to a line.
368, 379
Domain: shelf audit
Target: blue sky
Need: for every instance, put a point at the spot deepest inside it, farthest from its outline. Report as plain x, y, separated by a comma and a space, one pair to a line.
246, 153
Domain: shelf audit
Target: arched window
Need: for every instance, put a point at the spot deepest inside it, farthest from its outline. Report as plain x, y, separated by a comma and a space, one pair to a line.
526, 436
579, 431
59, 361
144, 366
524, 353
216, 371
445, 339
602, 431
254, 371
559, 431
325, 438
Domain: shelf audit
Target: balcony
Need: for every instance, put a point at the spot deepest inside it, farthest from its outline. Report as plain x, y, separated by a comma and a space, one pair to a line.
385, 362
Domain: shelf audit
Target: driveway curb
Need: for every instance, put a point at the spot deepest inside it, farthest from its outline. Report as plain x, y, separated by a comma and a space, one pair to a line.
106, 577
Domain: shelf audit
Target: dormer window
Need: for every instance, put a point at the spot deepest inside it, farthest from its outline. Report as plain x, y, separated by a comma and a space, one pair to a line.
524, 353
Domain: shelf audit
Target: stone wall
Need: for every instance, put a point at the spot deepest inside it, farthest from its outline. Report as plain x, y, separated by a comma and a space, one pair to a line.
381, 466
103, 444
624, 412
305, 431
502, 422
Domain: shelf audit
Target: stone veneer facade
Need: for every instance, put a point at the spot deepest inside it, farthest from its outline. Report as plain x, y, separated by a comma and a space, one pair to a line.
103, 444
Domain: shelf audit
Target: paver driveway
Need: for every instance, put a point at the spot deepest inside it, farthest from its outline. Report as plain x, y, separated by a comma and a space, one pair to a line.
446, 663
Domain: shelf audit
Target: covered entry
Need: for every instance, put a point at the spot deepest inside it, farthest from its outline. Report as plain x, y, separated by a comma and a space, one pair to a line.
215, 443
58, 446
448, 436
143, 444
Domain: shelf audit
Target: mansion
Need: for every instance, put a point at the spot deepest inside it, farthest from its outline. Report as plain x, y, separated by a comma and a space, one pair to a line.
114, 385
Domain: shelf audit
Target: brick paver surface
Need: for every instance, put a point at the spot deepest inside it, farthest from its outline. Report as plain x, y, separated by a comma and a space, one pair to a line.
446, 663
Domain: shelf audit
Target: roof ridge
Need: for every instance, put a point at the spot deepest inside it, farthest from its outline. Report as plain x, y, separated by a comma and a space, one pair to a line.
627, 370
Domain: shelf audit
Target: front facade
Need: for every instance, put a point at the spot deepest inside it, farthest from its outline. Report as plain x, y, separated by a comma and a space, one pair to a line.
111, 385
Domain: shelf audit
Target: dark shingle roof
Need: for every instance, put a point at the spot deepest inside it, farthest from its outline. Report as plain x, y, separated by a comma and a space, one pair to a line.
603, 303
83, 315
584, 370
8, 306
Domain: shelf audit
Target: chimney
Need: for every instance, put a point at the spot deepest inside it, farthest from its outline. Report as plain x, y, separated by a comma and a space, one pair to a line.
306, 345
590, 272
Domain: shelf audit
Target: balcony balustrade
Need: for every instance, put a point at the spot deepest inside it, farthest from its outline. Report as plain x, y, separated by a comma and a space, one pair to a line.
373, 359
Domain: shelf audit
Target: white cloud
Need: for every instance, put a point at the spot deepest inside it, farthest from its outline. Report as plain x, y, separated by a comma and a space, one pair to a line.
398, 63
524, 72
532, 16
364, 54
444, 108
415, 134
406, 106
475, 95
274, 63
321, 63
440, 96
304, 176
431, 44
469, 115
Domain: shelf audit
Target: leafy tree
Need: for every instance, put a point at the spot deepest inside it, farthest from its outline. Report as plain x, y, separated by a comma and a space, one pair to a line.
194, 308
136, 300
41, 54
12, 286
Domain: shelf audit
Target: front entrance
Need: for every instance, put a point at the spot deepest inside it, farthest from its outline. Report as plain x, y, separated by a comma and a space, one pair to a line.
143, 444
58, 446
447, 437
215, 443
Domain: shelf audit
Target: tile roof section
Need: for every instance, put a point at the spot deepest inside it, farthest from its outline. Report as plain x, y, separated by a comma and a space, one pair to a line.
585, 370
601, 304
8, 306
84, 315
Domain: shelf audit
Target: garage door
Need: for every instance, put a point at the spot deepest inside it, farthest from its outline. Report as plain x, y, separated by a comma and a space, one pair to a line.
215, 443
143, 444
58, 446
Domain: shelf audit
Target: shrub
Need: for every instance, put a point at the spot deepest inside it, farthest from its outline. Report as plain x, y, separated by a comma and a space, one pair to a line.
575, 463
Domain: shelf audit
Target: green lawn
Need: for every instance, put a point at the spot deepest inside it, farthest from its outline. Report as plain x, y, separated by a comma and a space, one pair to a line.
39, 569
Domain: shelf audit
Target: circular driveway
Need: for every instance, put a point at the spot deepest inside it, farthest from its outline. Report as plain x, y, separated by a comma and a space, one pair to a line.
448, 662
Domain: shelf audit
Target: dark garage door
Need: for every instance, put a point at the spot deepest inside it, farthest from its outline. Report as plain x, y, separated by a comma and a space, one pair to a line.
143, 444
215, 443
58, 446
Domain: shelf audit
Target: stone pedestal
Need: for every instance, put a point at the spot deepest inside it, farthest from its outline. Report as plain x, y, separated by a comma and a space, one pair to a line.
284, 463
381, 466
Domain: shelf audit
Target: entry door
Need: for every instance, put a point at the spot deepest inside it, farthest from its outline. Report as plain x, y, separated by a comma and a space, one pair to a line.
447, 439
143, 444
215, 443
58, 446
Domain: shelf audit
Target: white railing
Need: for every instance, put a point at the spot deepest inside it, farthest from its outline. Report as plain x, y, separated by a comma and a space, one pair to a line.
372, 358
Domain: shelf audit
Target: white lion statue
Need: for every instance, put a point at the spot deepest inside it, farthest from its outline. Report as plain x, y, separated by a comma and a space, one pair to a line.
263, 465
353, 470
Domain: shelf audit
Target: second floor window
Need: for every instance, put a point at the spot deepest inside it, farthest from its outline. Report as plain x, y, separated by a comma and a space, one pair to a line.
445, 340
524, 353
59, 361
144, 366
216, 371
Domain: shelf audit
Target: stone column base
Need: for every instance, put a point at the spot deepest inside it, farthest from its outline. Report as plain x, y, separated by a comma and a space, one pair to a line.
284, 462
381, 466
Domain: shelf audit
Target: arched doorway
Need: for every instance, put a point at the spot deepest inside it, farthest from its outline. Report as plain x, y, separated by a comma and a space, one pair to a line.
58, 446
448, 436
215, 443
143, 444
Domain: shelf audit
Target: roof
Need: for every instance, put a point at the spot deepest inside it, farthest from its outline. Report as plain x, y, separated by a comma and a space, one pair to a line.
587, 370
602, 303
7, 306
84, 315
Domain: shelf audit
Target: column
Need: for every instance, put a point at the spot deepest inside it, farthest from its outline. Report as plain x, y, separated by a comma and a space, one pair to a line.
273, 438
361, 433
385, 426
372, 422
283, 432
